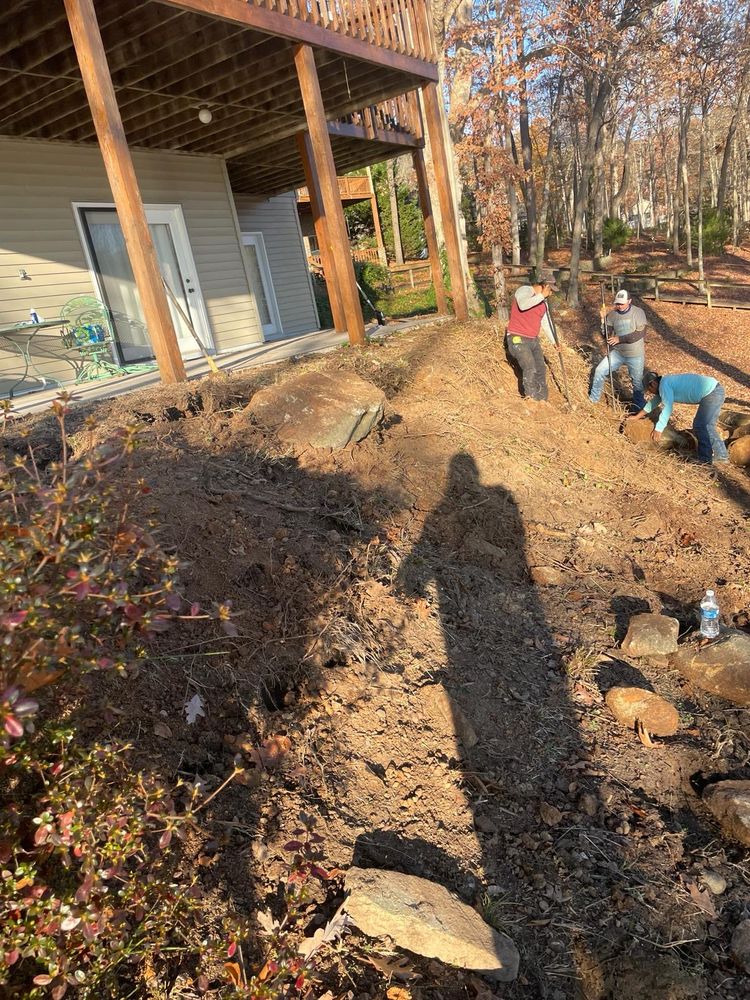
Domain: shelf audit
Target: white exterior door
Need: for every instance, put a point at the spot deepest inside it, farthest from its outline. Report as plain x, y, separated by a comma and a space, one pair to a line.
261, 285
109, 262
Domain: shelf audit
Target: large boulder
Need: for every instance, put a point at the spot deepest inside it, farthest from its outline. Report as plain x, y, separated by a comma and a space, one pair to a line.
629, 704
729, 801
721, 667
651, 635
639, 432
319, 409
739, 450
425, 918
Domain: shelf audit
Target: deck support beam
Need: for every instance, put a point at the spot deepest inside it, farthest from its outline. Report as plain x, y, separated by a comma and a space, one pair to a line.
430, 232
434, 114
118, 164
321, 231
333, 210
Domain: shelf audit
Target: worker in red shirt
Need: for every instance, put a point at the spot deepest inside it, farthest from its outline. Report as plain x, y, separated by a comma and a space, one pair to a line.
528, 318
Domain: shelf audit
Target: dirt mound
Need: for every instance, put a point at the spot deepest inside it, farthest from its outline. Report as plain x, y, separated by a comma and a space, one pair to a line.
362, 579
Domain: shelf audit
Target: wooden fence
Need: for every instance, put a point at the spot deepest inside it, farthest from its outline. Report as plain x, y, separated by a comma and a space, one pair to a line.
713, 293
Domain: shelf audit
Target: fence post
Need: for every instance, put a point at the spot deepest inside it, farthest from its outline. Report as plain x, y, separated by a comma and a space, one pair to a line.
708, 294
656, 289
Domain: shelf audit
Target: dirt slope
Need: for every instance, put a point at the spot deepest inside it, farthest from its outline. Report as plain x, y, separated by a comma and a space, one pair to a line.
446, 712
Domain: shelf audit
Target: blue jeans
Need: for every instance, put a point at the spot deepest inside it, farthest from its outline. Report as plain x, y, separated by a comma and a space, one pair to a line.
710, 445
635, 369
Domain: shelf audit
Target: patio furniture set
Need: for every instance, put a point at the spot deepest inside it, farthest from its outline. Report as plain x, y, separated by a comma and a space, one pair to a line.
81, 336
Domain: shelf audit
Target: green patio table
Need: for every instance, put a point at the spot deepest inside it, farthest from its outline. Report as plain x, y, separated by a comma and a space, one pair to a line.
32, 342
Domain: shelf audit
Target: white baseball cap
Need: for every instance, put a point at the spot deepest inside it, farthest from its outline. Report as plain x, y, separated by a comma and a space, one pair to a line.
622, 298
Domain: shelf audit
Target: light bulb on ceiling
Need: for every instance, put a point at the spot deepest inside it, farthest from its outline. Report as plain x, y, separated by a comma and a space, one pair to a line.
205, 115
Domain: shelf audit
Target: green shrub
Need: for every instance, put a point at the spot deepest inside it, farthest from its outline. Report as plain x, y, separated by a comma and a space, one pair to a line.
717, 230
615, 233
85, 893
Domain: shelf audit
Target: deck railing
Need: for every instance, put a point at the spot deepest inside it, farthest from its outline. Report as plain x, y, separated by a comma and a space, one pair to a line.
399, 25
356, 188
399, 114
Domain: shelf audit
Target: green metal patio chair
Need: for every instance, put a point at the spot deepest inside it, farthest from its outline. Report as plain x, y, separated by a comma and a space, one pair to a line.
87, 330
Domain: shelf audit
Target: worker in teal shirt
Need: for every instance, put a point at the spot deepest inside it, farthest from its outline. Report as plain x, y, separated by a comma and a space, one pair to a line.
709, 395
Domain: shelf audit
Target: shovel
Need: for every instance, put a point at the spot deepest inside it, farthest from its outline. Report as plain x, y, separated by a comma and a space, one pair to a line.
558, 344
606, 341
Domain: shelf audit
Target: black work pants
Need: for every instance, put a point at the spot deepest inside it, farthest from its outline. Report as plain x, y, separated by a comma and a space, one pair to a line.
527, 353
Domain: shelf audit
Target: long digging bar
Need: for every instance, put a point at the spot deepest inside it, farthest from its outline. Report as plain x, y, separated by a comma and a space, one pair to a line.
609, 357
379, 316
558, 344
209, 360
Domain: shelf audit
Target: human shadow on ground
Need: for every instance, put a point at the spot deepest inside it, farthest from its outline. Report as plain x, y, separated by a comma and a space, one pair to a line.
550, 852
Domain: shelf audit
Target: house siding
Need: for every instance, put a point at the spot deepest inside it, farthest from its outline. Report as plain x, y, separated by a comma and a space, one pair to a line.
39, 182
277, 219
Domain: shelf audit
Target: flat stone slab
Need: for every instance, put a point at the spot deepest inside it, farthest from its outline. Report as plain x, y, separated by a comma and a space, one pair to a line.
651, 635
729, 801
630, 703
318, 409
424, 918
721, 667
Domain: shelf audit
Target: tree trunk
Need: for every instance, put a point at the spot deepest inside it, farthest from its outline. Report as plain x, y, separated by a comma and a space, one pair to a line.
547, 176
619, 196
498, 280
515, 240
525, 133
598, 204
701, 172
684, 183
587, 162
739, 111
398, 251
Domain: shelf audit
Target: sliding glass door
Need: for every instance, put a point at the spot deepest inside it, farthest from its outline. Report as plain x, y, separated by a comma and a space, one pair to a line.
111, 265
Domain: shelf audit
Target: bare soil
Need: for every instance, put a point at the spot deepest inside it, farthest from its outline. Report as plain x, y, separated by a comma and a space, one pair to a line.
364, 579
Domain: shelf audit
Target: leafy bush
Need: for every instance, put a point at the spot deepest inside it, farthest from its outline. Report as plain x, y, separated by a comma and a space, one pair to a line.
289, 958
615, 233
717, 230
84, 887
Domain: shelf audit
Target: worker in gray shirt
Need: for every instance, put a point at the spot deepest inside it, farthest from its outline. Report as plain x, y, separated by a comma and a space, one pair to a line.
626, 330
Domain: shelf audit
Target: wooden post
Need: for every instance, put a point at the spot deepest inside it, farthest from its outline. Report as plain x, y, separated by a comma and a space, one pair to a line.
118, 164
434, 120
325, 168
656, 289
321, 232
429, 231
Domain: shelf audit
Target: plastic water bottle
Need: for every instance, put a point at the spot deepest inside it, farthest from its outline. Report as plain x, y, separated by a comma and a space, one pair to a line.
709, 616
34, 316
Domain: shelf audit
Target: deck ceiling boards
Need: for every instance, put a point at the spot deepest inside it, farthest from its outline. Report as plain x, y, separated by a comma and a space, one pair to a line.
165, 62
280, 169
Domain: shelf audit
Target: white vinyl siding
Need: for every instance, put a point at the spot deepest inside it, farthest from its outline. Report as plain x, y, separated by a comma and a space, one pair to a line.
39, 182
277, 219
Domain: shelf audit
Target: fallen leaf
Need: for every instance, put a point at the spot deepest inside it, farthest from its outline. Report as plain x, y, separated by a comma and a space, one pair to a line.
397, 967
550, 814
194, 709
271, 753
702, 899
234, 972
163, 730
643, 734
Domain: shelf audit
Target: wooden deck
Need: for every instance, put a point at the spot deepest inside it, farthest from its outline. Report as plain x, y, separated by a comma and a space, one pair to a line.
167, 58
